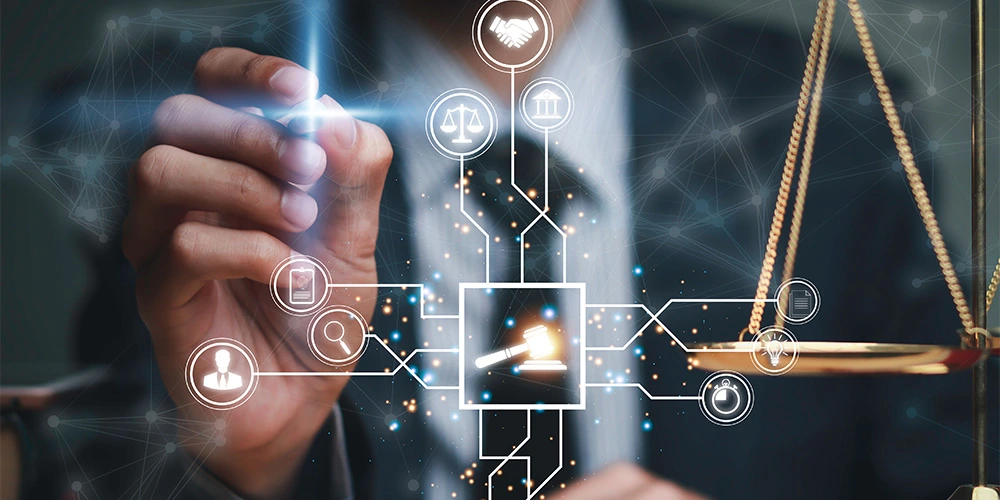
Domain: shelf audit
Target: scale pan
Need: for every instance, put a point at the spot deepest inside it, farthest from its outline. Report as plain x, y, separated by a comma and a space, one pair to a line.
842, 358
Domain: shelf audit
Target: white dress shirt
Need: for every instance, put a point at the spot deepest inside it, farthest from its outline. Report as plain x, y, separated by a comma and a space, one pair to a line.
589, 57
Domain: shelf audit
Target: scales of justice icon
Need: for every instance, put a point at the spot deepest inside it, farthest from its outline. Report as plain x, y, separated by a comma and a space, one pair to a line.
976, 342
471, 124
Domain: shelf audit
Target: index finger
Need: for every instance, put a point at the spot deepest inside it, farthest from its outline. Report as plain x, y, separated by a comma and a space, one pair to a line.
239, 77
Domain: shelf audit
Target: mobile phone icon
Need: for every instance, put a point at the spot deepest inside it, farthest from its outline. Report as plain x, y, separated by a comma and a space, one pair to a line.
303, 287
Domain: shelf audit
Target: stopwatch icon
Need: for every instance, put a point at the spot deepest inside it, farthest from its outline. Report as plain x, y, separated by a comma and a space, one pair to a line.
725, 398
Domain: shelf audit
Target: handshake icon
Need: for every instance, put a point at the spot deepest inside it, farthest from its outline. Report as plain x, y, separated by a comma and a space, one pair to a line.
514, 32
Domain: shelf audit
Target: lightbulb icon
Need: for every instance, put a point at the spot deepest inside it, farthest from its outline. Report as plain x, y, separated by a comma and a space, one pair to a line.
774, 350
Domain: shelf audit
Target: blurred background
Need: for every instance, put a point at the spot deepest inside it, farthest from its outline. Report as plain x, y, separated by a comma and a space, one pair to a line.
60, 207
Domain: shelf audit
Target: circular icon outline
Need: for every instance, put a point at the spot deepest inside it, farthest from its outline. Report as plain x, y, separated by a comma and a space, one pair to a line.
192, 383
477, 38
811, 287
772, 371
276, 295
314, 330
703, 392
431, 130
524, 104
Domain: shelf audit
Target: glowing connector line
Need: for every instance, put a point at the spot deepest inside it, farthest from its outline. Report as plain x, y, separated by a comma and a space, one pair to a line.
503, 459
531, 492
534, 491
656, 318
646, 392
542, 214
381, 285
402, 363
461, 205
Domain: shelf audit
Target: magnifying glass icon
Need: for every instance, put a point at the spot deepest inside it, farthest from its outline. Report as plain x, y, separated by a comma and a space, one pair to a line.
337, 336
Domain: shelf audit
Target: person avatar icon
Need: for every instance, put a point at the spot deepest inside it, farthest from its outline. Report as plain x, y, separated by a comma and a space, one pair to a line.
222, 379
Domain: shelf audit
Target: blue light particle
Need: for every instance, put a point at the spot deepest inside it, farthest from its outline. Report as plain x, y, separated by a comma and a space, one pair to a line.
647, 425
395, 335
486, 396
510, 322
637, 270
549, 312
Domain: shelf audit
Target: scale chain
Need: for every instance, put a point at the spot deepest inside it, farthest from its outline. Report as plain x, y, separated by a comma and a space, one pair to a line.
994, 284
824, 20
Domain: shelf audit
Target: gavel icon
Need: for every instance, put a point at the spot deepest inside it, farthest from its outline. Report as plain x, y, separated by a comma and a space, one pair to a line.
537, 341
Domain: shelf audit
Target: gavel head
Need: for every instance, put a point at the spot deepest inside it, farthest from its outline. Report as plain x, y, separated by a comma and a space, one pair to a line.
539, 343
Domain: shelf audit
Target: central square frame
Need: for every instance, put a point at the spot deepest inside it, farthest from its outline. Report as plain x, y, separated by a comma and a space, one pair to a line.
464, 404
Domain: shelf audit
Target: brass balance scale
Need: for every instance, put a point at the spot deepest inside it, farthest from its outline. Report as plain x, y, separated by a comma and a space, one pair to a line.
975, 342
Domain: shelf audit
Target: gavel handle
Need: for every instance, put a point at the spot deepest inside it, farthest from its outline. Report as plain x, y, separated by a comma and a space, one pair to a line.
496, 357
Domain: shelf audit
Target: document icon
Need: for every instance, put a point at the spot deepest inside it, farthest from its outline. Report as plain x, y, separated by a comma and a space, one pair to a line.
302, 289
801, 303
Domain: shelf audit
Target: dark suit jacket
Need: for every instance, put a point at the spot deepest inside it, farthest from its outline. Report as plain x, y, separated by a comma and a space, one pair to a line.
862, 245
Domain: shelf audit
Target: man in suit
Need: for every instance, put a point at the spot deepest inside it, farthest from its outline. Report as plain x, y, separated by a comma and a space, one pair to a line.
227, 193
222, 379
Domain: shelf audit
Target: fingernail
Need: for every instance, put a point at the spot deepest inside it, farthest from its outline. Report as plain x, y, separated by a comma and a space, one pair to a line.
307, 116
295, 83
301, 157
345, 128
298, 208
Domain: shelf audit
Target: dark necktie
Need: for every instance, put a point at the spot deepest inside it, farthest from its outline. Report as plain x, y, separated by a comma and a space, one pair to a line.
506, 213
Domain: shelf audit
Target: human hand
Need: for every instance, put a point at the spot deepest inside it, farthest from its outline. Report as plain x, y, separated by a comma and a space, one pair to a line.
624, 481
222, 198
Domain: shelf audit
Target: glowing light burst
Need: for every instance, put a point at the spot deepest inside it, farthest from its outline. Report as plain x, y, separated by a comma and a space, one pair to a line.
310, 112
